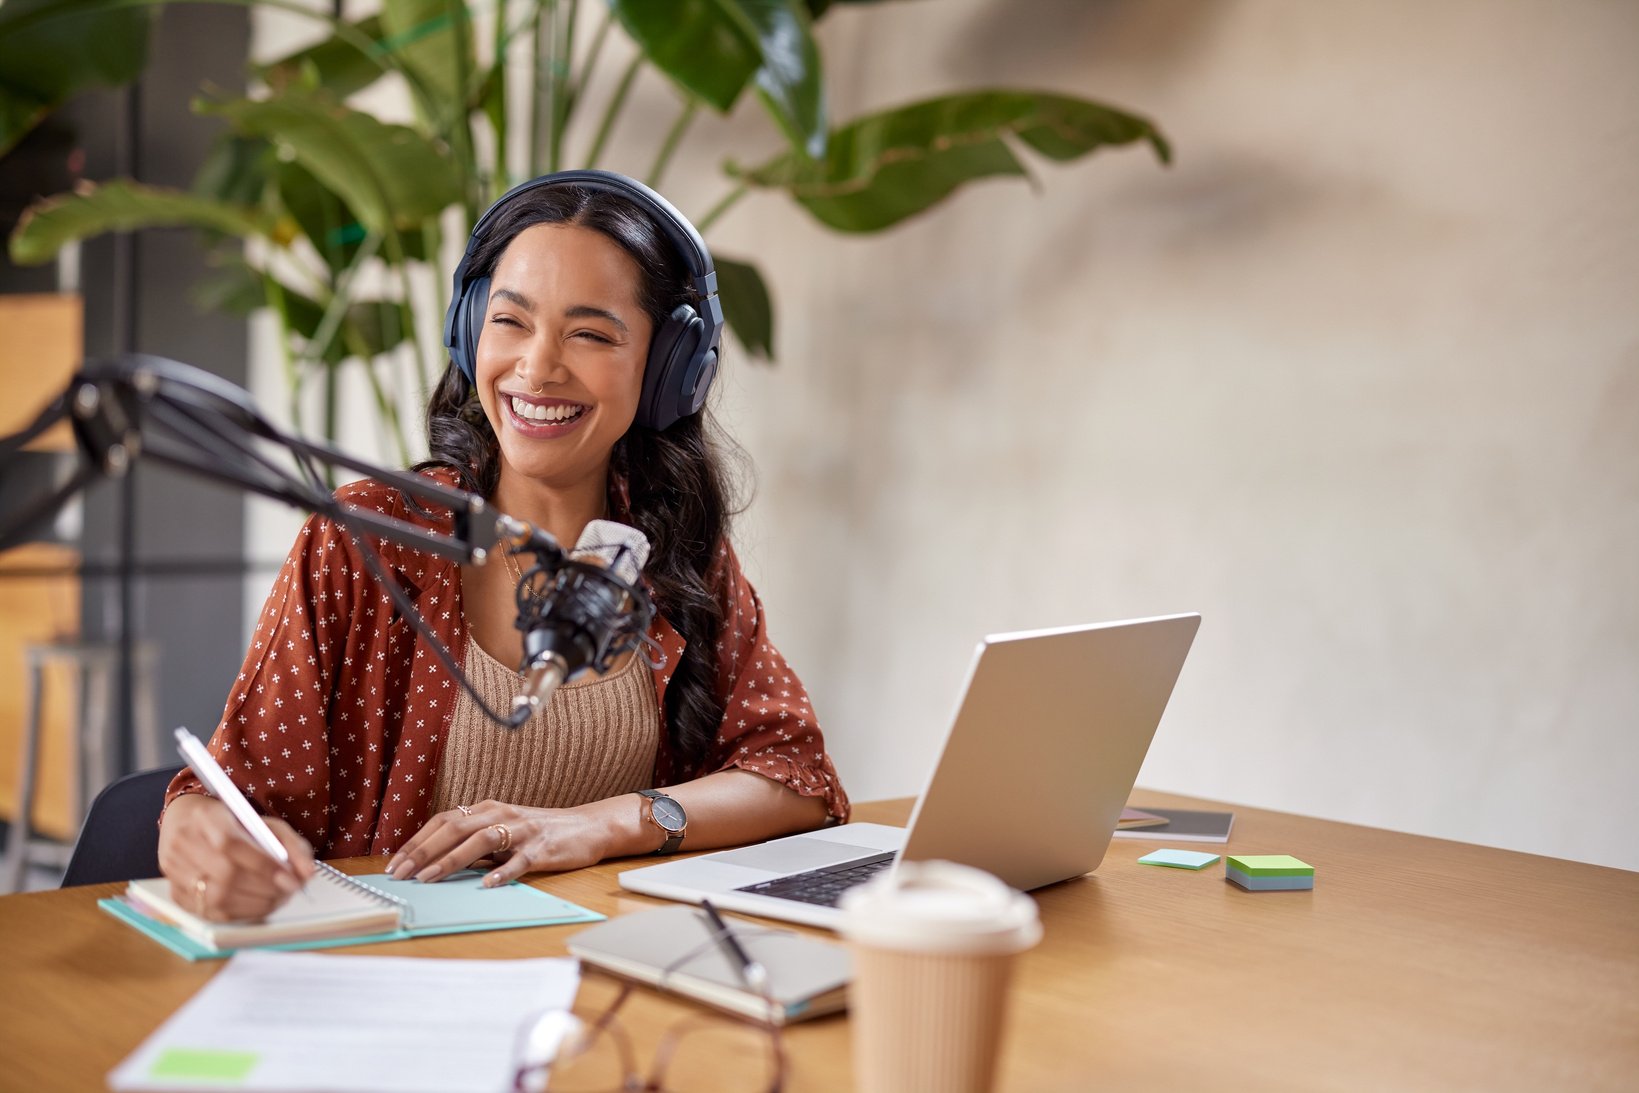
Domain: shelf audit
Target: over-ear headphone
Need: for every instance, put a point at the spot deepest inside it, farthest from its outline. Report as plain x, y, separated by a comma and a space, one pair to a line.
684, 350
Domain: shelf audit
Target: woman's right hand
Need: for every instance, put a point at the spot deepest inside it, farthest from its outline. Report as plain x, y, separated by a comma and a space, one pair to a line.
217, 871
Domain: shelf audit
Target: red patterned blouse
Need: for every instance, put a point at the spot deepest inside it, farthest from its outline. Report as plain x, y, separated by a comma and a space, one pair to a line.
336, 720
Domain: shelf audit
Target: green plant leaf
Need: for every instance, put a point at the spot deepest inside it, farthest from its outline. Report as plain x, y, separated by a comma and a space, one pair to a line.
19, 114
52, 48
235, 286
48, 225
887, 166
692, 42
49, 50
714, 48
236, 170
491, 97
433, 38
304, 313
390, 176
790, 79
322, 216
747, 307
370, 328
335, 64
232, 286
325, 219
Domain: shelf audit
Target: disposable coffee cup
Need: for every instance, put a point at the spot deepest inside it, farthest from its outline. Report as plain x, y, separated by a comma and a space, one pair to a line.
933, 951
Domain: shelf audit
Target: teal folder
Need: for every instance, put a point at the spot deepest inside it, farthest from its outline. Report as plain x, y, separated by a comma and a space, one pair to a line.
458, 904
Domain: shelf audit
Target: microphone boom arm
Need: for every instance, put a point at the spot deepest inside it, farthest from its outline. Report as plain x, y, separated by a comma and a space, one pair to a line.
142, 406
189, 419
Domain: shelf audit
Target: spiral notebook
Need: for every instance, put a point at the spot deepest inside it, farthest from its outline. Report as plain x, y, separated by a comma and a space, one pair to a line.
336, 909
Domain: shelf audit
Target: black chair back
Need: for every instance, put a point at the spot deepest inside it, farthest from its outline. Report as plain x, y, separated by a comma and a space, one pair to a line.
120, 839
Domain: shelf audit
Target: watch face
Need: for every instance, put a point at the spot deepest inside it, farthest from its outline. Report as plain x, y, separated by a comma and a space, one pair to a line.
669, 814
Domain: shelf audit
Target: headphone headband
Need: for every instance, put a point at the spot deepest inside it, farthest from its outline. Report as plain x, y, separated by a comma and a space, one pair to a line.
685, 239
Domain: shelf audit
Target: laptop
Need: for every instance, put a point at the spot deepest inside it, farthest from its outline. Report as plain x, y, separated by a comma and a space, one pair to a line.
1044, 748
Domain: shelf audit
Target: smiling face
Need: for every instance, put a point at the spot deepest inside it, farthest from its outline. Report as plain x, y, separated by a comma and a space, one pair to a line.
561, 354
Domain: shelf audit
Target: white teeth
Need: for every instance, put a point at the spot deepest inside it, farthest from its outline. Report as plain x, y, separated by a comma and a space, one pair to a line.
557, 413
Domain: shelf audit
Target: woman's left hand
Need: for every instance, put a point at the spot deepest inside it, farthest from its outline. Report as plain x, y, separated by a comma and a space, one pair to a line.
521, 840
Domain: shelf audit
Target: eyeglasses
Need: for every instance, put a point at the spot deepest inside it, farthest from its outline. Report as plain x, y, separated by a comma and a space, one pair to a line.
559, 1052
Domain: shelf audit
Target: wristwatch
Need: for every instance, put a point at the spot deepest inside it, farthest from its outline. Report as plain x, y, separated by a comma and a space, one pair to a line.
666, 814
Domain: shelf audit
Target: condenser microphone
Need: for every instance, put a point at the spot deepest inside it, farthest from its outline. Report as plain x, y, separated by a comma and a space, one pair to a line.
589, 612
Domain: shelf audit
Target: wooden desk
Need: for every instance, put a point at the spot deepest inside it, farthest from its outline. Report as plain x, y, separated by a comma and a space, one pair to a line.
1414, 964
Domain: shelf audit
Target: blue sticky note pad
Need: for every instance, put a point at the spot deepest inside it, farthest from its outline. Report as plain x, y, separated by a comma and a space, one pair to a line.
1179, 859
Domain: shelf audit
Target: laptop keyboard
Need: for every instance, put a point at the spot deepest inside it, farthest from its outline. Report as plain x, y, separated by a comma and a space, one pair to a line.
822, 886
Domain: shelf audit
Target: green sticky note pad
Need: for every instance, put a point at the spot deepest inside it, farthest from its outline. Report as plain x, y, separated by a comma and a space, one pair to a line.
1179, 859
204, 1064
1271, 865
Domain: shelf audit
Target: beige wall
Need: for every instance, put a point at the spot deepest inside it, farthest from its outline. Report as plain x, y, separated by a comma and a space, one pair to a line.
1358, 379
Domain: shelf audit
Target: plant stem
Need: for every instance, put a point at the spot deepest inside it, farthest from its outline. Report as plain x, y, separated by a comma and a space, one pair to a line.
332, 394
500, 175
528, 113
542, 80
413, 336
432, 242
406, 309
673, 139
340, 299
275, 293
394, 257
335, 311
460, 125
390, 421
389, 411
723, 206
563, 52
613, 111
534, 96
593, 52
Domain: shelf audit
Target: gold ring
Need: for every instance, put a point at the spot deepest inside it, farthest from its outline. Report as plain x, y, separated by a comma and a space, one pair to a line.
465, 810
506, 836
199, 894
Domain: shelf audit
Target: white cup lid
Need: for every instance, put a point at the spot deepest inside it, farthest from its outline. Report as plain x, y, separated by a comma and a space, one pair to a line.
940, 907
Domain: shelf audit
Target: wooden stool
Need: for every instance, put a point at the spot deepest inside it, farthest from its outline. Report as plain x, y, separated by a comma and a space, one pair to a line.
95, 665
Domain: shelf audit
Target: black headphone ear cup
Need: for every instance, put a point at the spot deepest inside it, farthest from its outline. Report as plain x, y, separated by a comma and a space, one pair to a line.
684, 367
469, 322
700, 386
670, 352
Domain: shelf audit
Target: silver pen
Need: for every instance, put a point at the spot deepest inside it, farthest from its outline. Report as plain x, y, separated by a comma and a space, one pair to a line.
221, 786
753, 973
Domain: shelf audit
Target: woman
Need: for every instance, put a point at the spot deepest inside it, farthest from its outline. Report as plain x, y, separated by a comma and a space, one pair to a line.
349, 734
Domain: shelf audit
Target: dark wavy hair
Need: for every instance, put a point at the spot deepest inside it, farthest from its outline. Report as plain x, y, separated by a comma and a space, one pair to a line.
674, 485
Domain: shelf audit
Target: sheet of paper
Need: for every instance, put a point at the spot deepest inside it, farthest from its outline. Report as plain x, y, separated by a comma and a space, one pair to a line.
350, 1024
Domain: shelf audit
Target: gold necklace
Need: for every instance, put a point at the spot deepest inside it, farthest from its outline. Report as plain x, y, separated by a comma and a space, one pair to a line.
511, 562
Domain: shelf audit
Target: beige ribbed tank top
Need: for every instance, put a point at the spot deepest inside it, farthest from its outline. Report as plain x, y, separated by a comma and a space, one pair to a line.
596, 738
